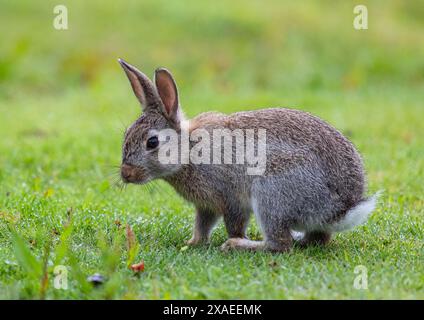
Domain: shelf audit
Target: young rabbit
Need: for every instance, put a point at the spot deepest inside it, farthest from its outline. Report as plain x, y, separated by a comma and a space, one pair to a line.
313, 180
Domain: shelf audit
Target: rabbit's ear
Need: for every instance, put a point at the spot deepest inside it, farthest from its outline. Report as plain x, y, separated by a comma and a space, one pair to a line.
167, 89
143, 88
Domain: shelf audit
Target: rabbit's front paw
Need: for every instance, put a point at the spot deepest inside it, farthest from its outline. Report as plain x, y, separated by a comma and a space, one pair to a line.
194, 241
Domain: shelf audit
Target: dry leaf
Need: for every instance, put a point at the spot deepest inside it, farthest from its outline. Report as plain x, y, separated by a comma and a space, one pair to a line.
138, 267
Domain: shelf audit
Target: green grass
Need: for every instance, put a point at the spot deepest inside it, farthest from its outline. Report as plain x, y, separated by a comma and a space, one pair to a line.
64, 103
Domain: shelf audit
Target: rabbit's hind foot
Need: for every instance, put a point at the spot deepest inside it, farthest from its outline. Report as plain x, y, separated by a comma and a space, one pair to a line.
315, 238
246, 244
243, 244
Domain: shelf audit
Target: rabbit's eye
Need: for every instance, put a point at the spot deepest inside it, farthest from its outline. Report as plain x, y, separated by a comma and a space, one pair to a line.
152, 142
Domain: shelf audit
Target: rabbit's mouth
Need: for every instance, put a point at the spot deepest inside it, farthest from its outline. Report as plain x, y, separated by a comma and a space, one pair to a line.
134, 174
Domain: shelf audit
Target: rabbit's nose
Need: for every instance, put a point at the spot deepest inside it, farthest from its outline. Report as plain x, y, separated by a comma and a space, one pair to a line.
126, 172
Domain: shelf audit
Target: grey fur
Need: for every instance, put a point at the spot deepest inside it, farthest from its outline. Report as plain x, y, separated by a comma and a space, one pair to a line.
314, 176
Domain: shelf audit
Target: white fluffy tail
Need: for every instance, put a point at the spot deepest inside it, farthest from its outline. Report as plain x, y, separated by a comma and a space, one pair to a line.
357, 215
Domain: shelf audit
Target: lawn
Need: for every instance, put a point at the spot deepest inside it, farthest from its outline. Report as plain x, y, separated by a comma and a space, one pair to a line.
65, 103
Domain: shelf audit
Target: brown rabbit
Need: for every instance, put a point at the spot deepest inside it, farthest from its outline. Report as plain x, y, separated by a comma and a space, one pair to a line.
312, 181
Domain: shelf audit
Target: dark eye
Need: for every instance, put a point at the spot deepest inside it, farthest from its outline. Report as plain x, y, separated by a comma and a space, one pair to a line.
152, 142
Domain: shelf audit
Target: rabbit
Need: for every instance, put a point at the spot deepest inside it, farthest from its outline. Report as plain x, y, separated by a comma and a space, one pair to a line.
313, 184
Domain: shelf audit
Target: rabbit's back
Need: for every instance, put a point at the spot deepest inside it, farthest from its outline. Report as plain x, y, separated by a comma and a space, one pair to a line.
296, 143
297, 138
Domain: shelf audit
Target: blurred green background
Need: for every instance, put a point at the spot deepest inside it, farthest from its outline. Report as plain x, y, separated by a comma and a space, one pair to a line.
64, 103
238, 49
